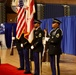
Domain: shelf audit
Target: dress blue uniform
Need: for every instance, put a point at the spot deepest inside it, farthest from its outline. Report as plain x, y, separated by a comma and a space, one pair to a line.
55, 47
23, 53
38, 46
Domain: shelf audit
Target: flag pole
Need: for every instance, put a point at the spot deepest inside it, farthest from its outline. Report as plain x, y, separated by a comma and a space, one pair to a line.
30, 60
11, 48
40, 64
12, 43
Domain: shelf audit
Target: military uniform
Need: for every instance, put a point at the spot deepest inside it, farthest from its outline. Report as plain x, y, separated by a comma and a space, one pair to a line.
37, 40
23, 53
38, 48
55, 48
55, 42
20, 52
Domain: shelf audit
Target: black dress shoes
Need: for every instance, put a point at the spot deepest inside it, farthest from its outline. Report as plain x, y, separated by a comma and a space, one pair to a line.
27, 72
20, 68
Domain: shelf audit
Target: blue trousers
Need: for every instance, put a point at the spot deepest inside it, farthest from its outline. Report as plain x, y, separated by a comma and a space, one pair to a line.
36, 62
24, 59
53, 66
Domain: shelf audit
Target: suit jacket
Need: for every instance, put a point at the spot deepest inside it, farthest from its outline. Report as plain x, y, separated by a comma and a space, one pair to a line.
37, 40
55, 42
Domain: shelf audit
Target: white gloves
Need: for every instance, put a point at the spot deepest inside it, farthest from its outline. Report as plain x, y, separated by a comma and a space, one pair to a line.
13, 38
21, 45
32, 47
44, 42
46, 38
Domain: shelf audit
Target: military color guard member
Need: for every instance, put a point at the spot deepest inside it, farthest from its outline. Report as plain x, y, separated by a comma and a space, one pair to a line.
37, 46
54, 41
23, 50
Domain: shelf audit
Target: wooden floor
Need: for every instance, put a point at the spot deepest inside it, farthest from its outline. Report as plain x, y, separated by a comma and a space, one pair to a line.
67, 62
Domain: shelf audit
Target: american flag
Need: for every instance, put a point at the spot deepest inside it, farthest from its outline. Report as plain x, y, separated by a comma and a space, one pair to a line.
21, 23
25, 23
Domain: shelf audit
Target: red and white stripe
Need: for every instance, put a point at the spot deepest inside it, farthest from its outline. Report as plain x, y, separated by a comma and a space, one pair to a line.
21, 23
30, 10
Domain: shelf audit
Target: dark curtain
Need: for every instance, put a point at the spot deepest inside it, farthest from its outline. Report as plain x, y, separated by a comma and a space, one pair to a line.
8, 34
68, 27
53, 10
14, 32
9, 28
14, 29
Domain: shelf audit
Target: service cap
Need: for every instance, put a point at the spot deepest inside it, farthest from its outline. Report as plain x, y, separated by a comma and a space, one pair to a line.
56, 21
37, 21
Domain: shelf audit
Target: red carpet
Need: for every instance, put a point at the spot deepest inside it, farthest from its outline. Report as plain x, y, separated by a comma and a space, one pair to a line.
7, 69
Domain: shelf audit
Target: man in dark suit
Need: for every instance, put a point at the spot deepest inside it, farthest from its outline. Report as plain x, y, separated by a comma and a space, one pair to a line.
37, 46
23, 50
54, 41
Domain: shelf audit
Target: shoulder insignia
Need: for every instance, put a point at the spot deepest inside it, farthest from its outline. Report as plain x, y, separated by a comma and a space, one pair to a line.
57, 35
40, 34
